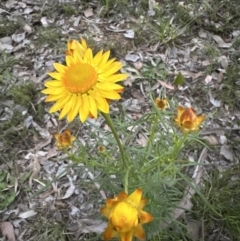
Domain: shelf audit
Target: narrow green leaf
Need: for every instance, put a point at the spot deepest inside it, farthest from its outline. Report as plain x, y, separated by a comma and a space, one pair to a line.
179, 79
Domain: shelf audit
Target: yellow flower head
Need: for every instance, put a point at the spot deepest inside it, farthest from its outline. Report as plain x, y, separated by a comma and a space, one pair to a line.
187, 119
85, 85
125, 216
65, 139
161, 104
101, 149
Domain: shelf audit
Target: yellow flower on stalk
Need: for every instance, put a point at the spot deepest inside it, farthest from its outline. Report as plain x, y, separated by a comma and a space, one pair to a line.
187, 119
125, 216
64, 140
101, 149
161, 103
85, 85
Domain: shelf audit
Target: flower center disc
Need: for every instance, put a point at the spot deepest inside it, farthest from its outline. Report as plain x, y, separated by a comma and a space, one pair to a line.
80, 78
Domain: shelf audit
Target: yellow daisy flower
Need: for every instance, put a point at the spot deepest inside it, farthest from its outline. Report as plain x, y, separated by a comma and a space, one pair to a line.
85, 85
187, 119
126, 216
64, 140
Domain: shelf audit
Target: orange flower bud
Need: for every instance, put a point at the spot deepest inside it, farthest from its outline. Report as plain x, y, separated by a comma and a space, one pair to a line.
64, 140
187, 119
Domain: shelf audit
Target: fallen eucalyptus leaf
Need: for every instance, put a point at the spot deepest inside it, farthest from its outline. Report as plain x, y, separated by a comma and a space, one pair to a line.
220, 42
18, 37
132, 57
27, 214
129, 34
7, 231
88, 12
226, 152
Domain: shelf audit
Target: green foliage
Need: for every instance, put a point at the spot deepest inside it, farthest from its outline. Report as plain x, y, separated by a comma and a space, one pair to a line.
154, 72
6, 63
222, 191
230, 93
8, 27
152, 150
119, 4
67, 9
211, 51
24, 94
46, 228
50, 36
11, 136
223, 14
7, 194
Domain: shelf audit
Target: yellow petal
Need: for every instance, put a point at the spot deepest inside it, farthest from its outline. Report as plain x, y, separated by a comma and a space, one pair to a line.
139, 232
75, 108
109, 233
112, 95
126, 236
53, 83
200, 119
113, 78
122, 196
78, 57
50, 98
69, 60
66, 107
54, 91
108, 86
107, 66
57, 137
88, 57
105, 57
110, 203
105, 211
135, 197
142, 203
55, 75
59, 104
84, 110
60, 68
92, 106
97, 58
113, 69
84, 43
75, 46
101, 102
177, 121
180, 111
145, 217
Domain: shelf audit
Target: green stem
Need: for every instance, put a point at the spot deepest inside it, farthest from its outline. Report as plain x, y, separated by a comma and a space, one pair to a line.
126, 181
110, 124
